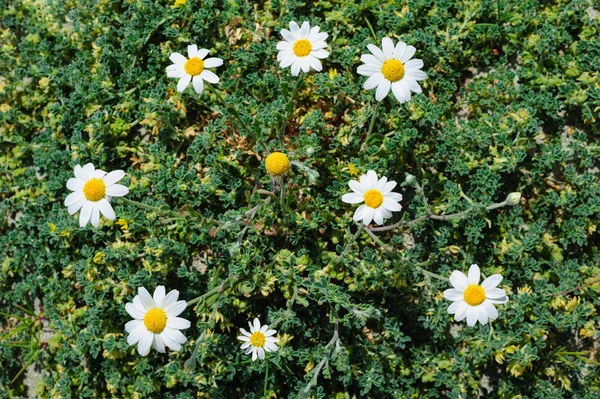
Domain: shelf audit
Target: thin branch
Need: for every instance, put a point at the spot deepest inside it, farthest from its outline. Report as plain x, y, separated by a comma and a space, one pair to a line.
577, 288
349, 243
435, 217
305, 393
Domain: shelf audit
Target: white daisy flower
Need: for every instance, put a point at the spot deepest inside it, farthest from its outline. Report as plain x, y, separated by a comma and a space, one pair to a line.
302, 48
155, 321
259, 340
194, 69
392, 68
474, 301
379, 200
93, 190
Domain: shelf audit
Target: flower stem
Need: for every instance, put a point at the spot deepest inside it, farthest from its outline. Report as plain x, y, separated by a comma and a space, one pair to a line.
350, 242
266, 379
236, 115
208, 293
437, 217
431, 274
176, 215
371, 125
282, 196
287, 106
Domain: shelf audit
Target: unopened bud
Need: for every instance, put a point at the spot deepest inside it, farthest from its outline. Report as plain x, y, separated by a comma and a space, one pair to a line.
410, 180
513, 199
234, 249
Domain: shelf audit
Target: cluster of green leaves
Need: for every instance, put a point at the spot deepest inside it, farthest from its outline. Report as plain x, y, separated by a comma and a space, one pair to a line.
510, 105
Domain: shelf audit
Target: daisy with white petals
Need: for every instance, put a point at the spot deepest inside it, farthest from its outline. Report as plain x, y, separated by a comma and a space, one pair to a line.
379, 200
391, 67
155, 321
259, 340
193, 69
302, 48
92, 191
473, 301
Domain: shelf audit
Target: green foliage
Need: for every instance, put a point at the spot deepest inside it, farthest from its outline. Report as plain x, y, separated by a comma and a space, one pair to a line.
511, 104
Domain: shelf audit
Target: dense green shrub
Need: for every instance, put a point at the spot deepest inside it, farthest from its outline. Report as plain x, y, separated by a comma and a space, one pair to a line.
511, 104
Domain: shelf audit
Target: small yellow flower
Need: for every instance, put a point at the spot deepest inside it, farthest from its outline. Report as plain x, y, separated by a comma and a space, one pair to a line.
352, 169
277, 163
179, 2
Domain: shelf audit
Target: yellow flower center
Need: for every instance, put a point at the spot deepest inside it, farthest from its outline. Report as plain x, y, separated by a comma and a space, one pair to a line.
277, 163
257, 339
474, 295
393, 70
194, 66
373, 198
94, 190
302, 47
155, 320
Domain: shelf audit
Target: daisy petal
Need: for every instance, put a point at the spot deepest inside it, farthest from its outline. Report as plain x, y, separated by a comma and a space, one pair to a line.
159, 296
490, 309
371, 60
288, 36
416, 74
85, 214
192, 51
376, 51
213, 62
474, 274
209, 76
357, 187
383, 89
414, 64
178, 323
145, 344
198, 84
399, 50
134, 311
387, 46
202, 53
408, 53
492, 281
305, 29
117, 190
373, 81
169, 340
175, 309
132, 325
175, 71
378, 217
177, 58
104, 206
368, 70
471, 316
158, 343
401, 91
183, 83
146, 298
353, 198
461, 311
453, 294
459, 280
113, 177
368, 215
73, 198
95, 219
75, 184
137, 334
